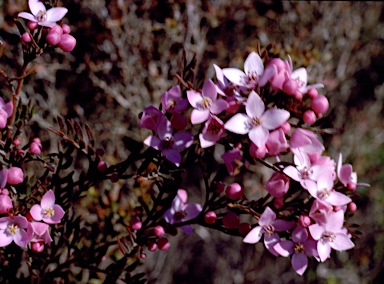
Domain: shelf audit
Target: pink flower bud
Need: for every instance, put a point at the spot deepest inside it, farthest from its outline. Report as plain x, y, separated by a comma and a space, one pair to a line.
257, 152
152, 246
35, 148
351, 186
312, 93
25, 37
234, 191
178, 121
135, 224
102, 166
352, 207
210, 217
304, 221
16, 142
277, 185
290, 87
66, 28
320, 104
286, 127
100, 151
54, 35
67, 43
278, 203
114, 177
143, 256
244, 228
163, 244
32, 25
220, 186
5, 203
15, 176
231, 220
309, 117
4, 191
158, 231
37, 246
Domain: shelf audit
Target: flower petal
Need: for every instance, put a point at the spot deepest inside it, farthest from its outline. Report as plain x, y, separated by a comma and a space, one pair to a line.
299, 263
36, 6
267, 217
27, 16
253, 63
209, 90
255, 106
253, 236
218, 106
235, 75
274, 118
259, 136
199, 115
239, 123
36, 211
48, 199
56, 14
5, 239
285, 248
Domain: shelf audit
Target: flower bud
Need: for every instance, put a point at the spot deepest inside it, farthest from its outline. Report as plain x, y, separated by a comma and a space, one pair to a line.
220, 186
277, 185
286, 127
312, 93
210, 217
352, 207
231, 220
5, 203
54, 35
67, 43
143, 255
37, 246
309, 117
100, 152
178, 121
152, 246
234, 191
158, 231
15, 176
163, 244
32, 25
135, 224
244, 228
35, 147
66, 28
257, 152
320, 104
278, 203
102, 166
304, 221
25, 37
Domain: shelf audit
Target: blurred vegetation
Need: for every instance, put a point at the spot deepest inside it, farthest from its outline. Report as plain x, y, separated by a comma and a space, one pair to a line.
127, 53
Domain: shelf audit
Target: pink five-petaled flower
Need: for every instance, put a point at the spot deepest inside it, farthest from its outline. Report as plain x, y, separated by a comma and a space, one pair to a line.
323, 190
268, 226
13, 229
180, 211
47, 211
346, 176
172, 101
331, 235
212, 132
5, 112
41, 15
39, 232
257, 122
151, 118
253, 69
205, 102
169, 144
299, 248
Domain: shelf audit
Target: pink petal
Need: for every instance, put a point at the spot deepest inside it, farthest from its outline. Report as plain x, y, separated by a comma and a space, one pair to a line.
27, 16
187, 229
48, 199
274, 118
239, 123
194, 98
285, 248
341, 242
267, 75
259, 136
335, 221
59, 213
219, 106
199, 115
301, 74
56, 14
5, 239
299, 234
153, 142
192, 210
204, 142
282, 225
165, 129
36, 211
324, 250
235, 75
293, 173
182, 195
338, 199
255, 106
316, 231
182, 140
299, 263
22, 238
8, 108
253, 236
270, 241
172, 155
21, 221
209, 90
253, 63
267, 217
345, 174
39, 228
36, 6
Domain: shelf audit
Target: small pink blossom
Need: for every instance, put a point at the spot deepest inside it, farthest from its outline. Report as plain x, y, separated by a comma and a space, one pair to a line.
15, 175
212, 132
233, 161
41, 15
5, 112
151, 118
67, 43
172, 100
205, 103
306, 141
277, 185
35, 147
258, 121
47, 211
5, 203
13, 229
39, 232
276, 143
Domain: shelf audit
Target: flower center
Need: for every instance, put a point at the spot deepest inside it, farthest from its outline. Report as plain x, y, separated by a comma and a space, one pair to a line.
171, 104
299, 248
324, 193
214, 127
306, 173
206, 103
268, 230
167, 143
256, 121
13, 229
251, 78
300, 83
179, 215
328, 237
48, 212
41, 16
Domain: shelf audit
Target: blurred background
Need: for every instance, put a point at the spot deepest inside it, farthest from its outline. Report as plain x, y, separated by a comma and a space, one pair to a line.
126, 56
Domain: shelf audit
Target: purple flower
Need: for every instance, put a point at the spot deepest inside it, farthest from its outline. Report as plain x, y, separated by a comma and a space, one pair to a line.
180, 211
151, 118
47, 211
268, 226
13, 229
169, 144
257, 122
253, 69
331, 235
212, 132
5, 112
233, 161
173, 102
41, 15
300, 247
205, 103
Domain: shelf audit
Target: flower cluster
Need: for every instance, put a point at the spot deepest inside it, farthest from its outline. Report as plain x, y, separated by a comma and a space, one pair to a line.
261, 114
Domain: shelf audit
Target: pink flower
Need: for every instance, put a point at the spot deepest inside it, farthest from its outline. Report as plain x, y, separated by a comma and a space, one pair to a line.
39, 232
257, 122
268, 226
253, 69
306, 141
346, 176
13, 229
151, 118
172, 101
41, 15
233, 161
277, 185
169, 144
5, 112
181, 212
212, 132
205, 103
319, 211
300, 247
5, 203
47, 211
223, 86
331, 235
15, 175
276, 143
